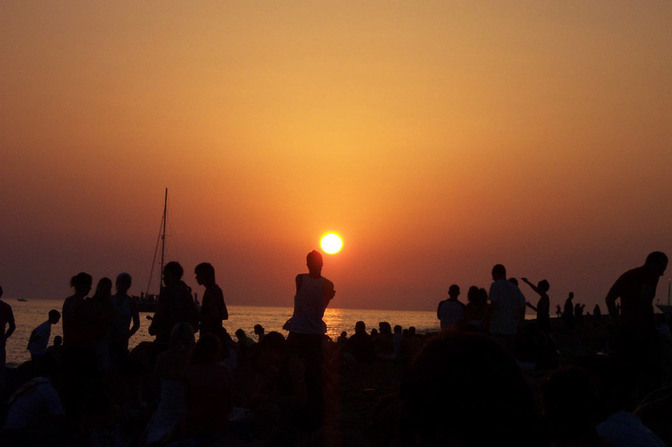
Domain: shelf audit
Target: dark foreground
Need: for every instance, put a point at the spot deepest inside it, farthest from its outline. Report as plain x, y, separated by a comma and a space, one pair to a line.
405, 397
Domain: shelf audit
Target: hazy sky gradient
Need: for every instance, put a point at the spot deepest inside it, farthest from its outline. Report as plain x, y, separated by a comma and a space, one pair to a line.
438, 137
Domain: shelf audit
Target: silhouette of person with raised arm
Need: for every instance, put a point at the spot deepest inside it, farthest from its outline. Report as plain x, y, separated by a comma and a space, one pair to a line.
175, 305
306, 327
507, 309
543, 307
7, 327
213, 308
450, 310
638, 345
125, 312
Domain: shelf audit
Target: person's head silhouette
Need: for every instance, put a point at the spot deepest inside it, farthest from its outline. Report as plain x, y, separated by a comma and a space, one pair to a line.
81, 282
172, 273
123, 282
314, 263
498, 272
205, 274
454, 291
656, 262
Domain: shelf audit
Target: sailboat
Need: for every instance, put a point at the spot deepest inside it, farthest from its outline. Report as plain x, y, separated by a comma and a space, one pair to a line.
147, 302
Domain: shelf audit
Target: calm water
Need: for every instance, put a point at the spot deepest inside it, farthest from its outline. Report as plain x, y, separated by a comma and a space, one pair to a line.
31, 314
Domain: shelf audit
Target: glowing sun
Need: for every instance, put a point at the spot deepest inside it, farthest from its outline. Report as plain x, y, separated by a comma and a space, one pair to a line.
331, 243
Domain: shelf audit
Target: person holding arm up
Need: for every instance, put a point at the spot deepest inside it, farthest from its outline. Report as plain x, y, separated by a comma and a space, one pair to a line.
543, 307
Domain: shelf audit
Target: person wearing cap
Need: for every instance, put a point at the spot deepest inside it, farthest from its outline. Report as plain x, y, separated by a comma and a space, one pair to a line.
450, 310
125, 312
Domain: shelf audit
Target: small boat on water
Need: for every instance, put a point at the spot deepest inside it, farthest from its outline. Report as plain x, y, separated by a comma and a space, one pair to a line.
21, 299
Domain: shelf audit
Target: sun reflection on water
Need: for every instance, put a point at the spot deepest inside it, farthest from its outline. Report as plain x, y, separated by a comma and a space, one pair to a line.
334, 321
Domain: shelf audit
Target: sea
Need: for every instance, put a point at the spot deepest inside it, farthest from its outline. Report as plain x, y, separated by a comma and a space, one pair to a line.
32, 313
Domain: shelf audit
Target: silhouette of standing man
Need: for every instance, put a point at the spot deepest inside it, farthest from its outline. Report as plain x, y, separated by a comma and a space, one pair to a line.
637, 345
176, 305
507, 307
306, 328
568, 311
213, 310
450, 310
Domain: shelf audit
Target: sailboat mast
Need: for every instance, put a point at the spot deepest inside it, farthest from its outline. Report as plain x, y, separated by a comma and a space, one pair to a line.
162, 239
163, 232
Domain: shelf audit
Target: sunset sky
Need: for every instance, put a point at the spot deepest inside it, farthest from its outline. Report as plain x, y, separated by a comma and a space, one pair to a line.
437, 137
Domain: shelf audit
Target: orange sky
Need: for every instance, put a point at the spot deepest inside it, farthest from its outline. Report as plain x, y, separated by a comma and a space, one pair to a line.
438, 137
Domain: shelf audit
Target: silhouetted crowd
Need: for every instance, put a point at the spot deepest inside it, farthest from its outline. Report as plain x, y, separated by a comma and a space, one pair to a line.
488, 376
